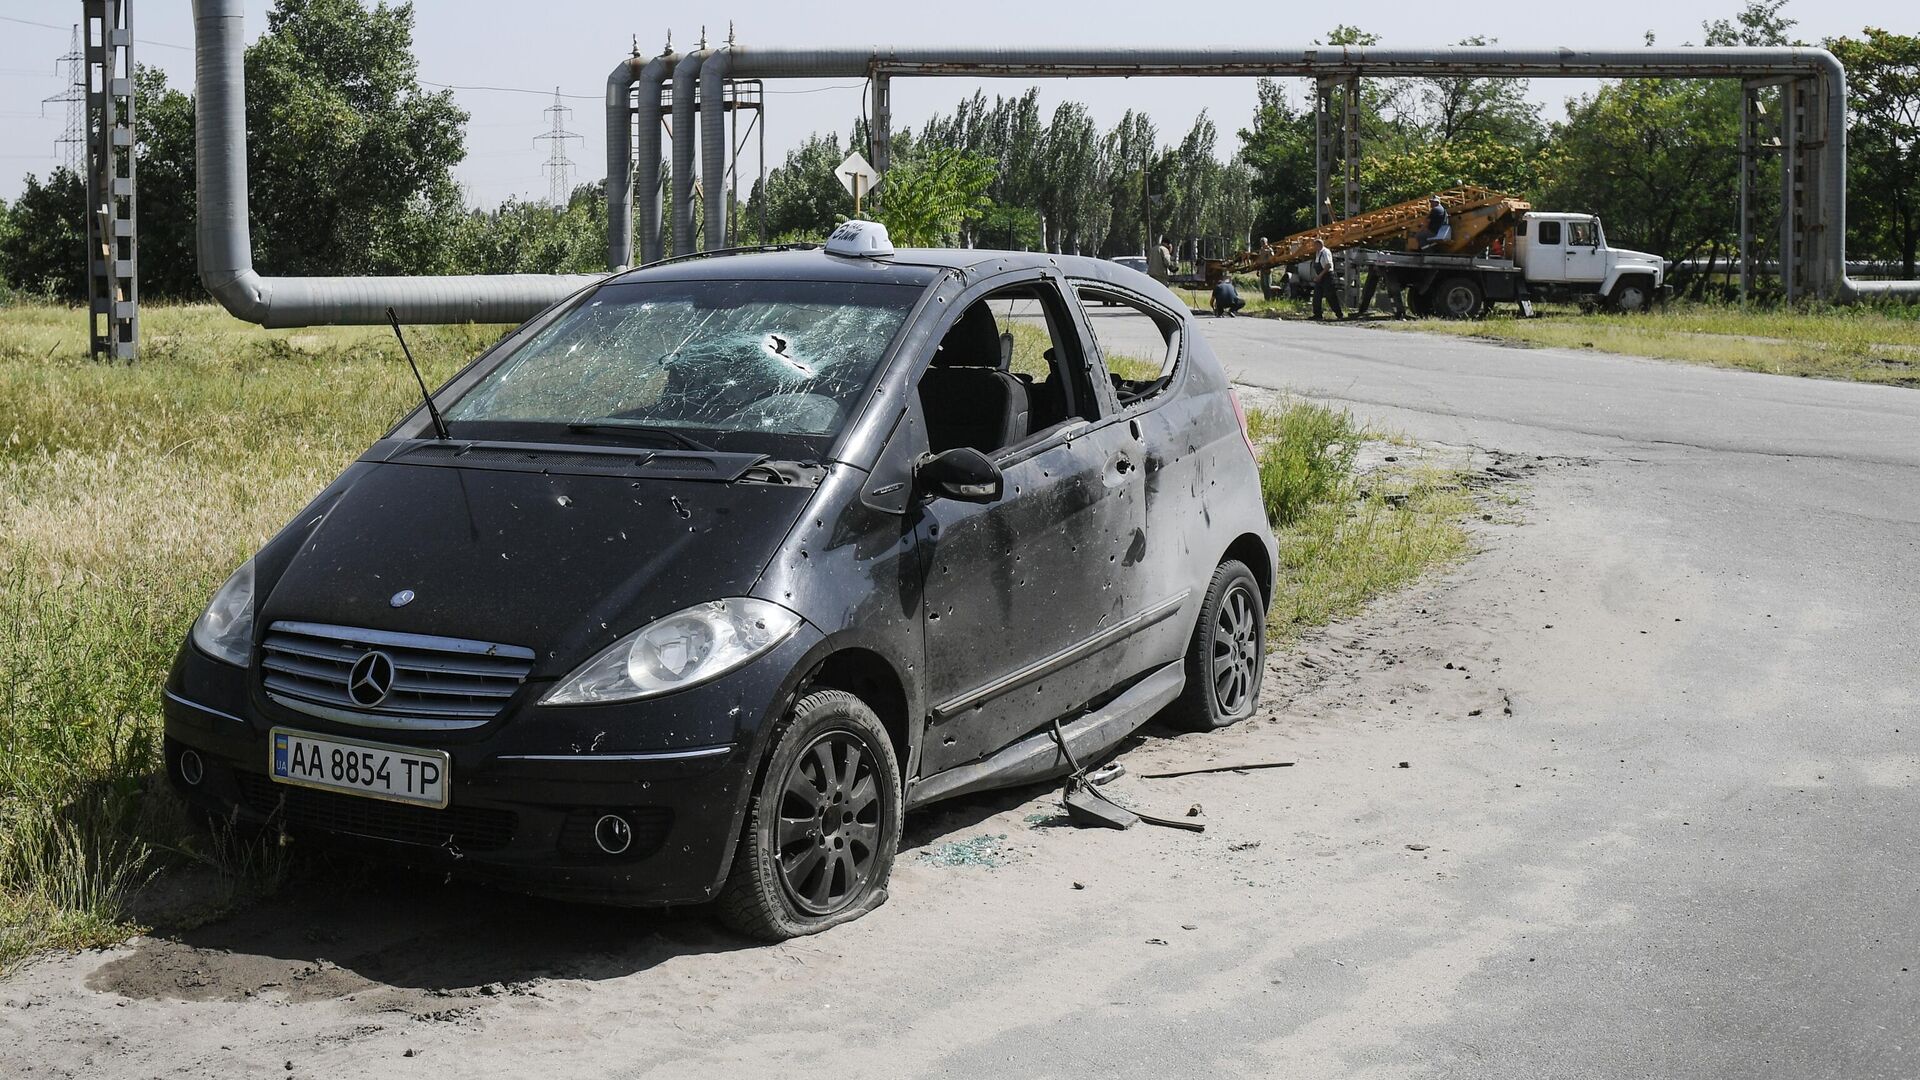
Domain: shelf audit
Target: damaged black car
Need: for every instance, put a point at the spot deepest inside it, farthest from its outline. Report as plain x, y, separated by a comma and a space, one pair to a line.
690, 587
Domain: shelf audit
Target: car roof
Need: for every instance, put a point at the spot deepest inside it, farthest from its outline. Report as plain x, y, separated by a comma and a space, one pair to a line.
907, 266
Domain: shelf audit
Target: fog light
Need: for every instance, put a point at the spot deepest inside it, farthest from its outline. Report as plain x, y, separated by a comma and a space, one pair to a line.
613, 834
192, 769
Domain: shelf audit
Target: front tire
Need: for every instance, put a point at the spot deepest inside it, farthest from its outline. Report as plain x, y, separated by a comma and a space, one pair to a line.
1632, 295
822, 827
1227, 655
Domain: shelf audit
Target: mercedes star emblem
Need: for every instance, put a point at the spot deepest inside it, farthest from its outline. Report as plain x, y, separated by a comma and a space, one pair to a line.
371, 679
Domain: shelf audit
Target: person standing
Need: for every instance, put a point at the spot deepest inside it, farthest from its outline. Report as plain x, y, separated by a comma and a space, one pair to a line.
1264, 256
1325, 285
1157, 260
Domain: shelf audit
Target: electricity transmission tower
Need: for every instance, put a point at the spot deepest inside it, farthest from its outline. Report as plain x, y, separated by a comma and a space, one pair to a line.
559, 168
113, 291
71, 146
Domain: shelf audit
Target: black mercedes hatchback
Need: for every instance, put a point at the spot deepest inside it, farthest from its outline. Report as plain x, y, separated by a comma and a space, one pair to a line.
714, 570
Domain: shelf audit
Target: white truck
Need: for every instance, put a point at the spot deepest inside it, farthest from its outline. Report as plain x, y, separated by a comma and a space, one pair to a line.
1551, 256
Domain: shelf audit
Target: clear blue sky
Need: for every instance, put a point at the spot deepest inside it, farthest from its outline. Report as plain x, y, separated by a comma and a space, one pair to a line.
572, 44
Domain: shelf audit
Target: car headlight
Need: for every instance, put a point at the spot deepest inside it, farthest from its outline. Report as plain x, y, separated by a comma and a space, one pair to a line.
684, 649
225, 630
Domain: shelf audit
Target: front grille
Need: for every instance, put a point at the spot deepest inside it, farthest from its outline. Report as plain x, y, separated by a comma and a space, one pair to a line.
467, 828
438, 682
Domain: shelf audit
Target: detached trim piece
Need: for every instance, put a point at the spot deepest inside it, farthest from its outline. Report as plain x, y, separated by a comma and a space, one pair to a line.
1037, 757
1046, 666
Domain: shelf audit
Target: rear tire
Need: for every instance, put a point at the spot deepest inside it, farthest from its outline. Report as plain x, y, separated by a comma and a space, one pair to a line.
822, 827
1227, 655
1458, 297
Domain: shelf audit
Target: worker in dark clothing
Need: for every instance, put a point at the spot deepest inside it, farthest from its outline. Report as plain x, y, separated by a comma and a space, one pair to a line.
1438, 230
1226, 299
1326, 287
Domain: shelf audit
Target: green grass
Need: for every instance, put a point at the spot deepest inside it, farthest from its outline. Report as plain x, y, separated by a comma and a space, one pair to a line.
127, 494
1347, 538
1862, 343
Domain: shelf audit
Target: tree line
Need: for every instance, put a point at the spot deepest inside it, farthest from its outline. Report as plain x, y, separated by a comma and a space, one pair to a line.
351, 162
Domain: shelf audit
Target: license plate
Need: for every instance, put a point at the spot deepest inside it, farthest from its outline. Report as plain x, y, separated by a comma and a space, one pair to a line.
395, 773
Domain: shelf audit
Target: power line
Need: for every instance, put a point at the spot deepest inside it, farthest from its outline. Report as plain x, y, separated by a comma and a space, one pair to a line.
820, 89
511, 90
57, 26
598, 97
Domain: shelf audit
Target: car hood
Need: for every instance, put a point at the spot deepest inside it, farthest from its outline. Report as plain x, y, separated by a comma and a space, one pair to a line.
560, 564
1629, 257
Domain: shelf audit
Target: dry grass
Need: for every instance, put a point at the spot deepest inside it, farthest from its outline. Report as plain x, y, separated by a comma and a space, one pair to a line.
1865, 343
127, 493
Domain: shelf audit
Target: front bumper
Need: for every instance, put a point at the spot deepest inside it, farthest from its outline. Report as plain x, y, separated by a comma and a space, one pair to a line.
526, 790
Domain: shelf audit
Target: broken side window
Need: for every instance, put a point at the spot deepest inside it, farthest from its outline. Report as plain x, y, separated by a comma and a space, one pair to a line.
1005, 373
1139, 346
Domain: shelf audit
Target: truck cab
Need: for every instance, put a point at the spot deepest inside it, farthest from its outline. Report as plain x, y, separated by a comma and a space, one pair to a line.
1567, 255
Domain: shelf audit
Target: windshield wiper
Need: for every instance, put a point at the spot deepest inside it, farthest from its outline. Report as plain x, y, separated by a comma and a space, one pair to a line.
640, 427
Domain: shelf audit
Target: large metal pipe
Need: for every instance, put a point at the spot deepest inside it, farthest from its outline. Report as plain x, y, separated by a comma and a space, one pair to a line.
1040, 62
620, 161
226, 241
633, 109
713, 145
686, 74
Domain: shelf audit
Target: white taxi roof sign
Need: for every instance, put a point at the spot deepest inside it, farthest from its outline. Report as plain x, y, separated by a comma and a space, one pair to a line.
860, 239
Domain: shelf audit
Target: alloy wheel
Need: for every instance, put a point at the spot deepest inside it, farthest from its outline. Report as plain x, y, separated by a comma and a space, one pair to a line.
1236, 650
828, 831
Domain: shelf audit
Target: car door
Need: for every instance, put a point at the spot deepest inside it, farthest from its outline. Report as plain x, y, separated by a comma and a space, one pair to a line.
1586, 260
1139, 353
1019, 591
1547, 251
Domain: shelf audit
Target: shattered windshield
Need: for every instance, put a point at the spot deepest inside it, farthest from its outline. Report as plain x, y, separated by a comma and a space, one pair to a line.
699, 360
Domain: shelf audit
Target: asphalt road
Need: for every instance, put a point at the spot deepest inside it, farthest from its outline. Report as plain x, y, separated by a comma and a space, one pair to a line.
1656, 818
1752, 777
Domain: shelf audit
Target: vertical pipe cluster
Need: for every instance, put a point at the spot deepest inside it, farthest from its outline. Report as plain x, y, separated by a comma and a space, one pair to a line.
633, 126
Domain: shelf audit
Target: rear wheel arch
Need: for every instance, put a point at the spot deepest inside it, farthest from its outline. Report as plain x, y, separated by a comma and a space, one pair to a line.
1253, 551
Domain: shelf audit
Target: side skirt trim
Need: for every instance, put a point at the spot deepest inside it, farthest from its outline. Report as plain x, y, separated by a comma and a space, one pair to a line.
1036, 758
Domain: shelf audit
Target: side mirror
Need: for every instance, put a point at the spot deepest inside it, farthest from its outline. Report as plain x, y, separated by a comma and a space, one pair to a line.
962, 473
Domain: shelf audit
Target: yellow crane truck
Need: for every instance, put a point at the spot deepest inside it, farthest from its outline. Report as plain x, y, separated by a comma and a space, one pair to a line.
1499, 249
